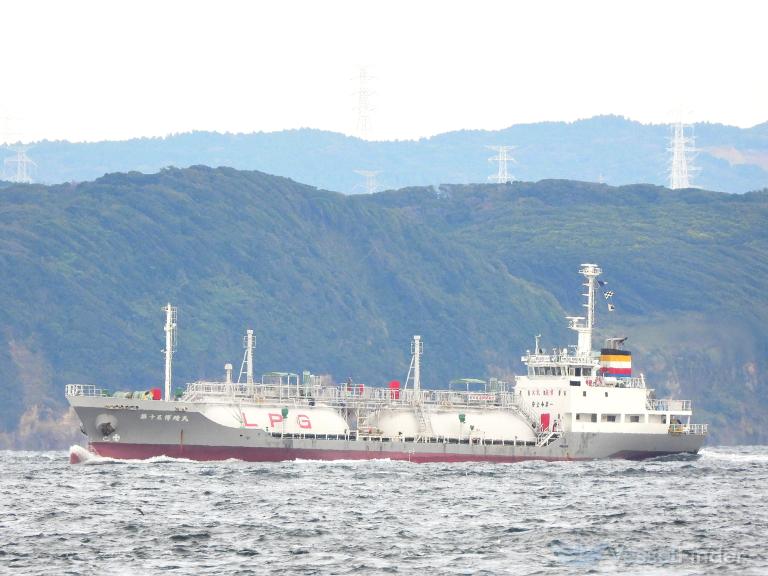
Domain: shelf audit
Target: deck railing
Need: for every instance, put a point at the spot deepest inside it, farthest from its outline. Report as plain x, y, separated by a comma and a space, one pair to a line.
668, 405
84, 390
633, 382
345, 394
698, 429
433, 439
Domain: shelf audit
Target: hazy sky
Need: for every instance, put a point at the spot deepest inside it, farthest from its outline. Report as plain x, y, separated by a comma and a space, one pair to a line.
115, 69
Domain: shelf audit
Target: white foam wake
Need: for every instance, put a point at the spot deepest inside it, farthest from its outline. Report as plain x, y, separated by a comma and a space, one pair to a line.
80, 455
752, 454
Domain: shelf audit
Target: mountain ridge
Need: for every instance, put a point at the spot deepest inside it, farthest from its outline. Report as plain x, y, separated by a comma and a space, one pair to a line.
609, 148
338, 284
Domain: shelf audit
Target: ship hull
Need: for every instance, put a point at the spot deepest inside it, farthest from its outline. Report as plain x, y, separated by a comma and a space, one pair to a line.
270, 454
148, 429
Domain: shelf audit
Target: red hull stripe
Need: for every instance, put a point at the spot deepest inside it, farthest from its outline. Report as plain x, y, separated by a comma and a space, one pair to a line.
249, 454
207, 453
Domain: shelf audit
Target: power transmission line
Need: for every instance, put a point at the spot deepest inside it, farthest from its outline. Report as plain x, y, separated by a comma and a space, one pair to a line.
683, 149
503, 157
371, 186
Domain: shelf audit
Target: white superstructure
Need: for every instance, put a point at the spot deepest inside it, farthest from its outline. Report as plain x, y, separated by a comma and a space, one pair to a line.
594, 391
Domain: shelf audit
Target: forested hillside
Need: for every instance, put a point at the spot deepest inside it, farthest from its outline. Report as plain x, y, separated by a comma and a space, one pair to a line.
605, 148
337, 284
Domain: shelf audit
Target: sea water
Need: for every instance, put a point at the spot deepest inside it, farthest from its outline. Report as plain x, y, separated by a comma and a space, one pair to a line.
162, 516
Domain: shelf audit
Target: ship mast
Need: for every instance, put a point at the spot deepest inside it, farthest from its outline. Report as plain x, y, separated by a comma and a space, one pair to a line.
583, 325
170, 347
247, 365
414, 372
417, 348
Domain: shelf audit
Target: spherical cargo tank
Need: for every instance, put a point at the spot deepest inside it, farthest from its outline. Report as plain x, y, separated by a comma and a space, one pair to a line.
280, 418
491, 424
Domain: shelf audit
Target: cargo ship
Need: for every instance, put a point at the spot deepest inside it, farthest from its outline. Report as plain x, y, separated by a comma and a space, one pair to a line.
573, 403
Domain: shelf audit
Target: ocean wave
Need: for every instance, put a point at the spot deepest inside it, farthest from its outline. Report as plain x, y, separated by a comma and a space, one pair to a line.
741, 454
80, 455
317, 517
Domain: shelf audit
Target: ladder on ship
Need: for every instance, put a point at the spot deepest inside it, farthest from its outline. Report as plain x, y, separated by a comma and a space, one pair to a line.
543, 437
363, 429
526, 413
547, 437
425, 425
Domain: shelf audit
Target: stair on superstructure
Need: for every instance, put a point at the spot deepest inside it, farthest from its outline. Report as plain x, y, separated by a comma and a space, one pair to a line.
525, 412
547, 437
425, 426
543, 437
362, 427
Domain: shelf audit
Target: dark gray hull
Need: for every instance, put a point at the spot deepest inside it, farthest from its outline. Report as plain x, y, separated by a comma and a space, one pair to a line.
143, 429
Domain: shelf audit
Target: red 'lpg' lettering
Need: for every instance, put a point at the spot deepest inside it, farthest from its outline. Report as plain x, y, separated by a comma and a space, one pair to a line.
275, 418
246, 423
303, 421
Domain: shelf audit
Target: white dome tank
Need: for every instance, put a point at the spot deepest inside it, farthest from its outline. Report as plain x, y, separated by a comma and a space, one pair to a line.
298, 420
488, 424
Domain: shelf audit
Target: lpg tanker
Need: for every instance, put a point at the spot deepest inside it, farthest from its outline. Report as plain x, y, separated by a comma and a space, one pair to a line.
573, 403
